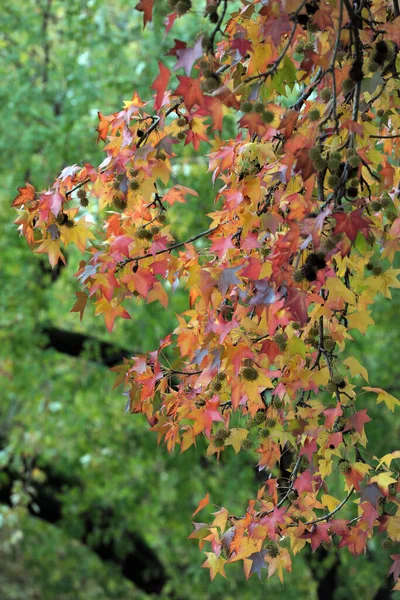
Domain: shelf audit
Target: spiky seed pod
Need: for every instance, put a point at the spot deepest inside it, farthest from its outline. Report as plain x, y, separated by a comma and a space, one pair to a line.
329, 244
182, 7
377, 270
84, 202
340, 424
338, 380
219, 442
259, 107
268, 116
298, 275
250, 423
143, 234
213, 16
300, 47
356, 73
200, 403
344, 467
381, 52
385, 202
320, 164
277, 403
119, 202
326, 94
373, 66
352, 192
246, 106
247, 444
336, 155
81, 193
292, 496
264, 251
296, 325
376, 205
329, 343
354, 161
387, 544
134, 185
273, 550
314, 115
222, 433
280, 340
211, 83
309, 46
270, 422
133, 172
327, 545
70, 223
180, 136
250, 373
380, 113
333, 164
330, 387
348, 86
314, 153
392, 489
181, 122
62, 218
217, 386
162, 217
154, 229
160, 155
304, 463
264, 432
333, 181
115, 184
140, 133
220, 377
172, 3
314, 330
259, 417
316, 259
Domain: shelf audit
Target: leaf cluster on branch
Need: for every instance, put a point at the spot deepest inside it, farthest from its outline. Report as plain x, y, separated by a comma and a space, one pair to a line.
303, 239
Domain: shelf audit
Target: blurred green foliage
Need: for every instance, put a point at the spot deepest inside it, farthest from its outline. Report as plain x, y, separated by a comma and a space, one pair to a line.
61, 62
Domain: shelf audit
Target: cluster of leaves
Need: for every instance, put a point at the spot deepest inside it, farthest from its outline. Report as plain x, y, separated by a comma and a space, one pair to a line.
303, 238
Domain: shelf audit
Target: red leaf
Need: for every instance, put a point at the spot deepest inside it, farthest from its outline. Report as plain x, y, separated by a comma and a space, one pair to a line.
146, 7
26, 195
190, 90
351, 223
318, 535
188, 56
160, 85
357, 421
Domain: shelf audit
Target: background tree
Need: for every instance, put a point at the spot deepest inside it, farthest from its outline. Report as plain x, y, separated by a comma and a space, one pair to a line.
46, 425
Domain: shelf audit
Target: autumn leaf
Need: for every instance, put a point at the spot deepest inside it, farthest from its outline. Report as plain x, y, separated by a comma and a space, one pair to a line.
80, 304
146, 7
160, 85
25, 196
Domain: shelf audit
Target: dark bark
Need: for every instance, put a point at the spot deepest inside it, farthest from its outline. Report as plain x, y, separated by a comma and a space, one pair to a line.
74, 344
140, 565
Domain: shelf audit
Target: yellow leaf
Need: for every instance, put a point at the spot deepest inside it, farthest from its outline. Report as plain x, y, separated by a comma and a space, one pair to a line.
236, 437
338, 291
393, 527
387, 459
221, 518
78, 234
325, 467
52, 248
355, 367
215, 564
383, 396
296, 346
383, 480
330, 502
360, 320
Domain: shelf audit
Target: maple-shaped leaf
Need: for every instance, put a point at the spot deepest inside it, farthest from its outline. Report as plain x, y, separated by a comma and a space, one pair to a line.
357, 420
264, 293
369, 514
371, 493
169, 21
351, 224
304, 483
236, 437
297, 303
257, 563
273, 520
228, 277
52, 249
201, 531
190, 90
215, 564
80, 304
203, 502
160, 85
383, 396
395, 568
188, 56
317, 535
146, 7
25, 195
110, 310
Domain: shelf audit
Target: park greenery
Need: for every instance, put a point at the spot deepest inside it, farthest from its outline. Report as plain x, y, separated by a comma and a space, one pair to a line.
92, 503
